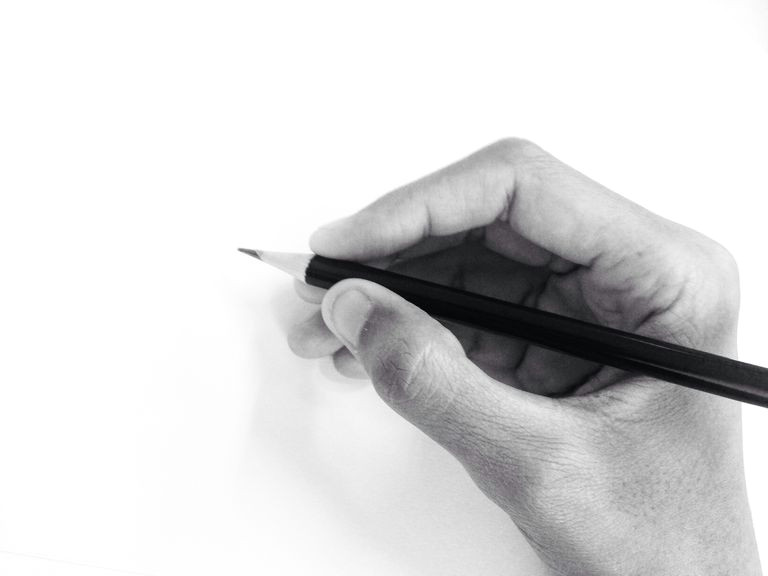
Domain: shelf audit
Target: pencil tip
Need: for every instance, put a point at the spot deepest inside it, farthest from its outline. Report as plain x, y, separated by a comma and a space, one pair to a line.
255, 253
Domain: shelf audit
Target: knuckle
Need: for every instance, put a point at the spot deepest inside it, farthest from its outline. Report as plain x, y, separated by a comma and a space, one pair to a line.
400, 371
525, 160
701, 278
717, 274
724, 262
713, 256
515, 149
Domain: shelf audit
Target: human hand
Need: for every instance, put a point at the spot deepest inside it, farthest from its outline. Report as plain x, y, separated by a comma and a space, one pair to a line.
603, 471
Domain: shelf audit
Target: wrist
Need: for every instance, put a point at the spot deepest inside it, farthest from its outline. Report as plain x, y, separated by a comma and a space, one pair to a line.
673, 503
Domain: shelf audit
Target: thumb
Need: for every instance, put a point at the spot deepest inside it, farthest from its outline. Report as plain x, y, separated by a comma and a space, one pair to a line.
419, 368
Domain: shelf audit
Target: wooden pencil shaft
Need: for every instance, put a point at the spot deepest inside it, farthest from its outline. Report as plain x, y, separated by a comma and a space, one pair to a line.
687, 366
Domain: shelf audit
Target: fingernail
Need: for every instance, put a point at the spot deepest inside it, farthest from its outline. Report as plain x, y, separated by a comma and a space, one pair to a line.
349, 313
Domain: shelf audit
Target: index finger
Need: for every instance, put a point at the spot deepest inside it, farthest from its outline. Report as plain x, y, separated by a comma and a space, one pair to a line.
542, 199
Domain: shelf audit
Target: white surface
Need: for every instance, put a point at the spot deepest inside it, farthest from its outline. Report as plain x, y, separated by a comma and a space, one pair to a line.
152, 418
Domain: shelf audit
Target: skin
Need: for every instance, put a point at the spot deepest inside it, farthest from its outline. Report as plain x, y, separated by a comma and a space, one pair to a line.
604, 472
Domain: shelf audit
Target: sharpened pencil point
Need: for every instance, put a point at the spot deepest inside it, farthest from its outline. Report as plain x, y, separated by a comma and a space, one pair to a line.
294, 264
255, 253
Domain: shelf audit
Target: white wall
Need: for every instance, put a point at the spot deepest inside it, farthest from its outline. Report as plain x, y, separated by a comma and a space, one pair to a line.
152, 418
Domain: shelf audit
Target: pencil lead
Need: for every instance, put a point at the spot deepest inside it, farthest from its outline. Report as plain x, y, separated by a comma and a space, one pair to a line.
255, 253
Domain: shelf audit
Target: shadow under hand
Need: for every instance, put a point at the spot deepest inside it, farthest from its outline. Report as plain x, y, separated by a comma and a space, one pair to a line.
389, 485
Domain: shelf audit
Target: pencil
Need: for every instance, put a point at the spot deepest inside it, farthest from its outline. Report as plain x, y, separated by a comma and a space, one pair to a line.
632, 352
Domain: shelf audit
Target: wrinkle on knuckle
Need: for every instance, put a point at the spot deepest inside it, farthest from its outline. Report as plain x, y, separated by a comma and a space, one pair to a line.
402, 370
690, 296
512, 164
709, 294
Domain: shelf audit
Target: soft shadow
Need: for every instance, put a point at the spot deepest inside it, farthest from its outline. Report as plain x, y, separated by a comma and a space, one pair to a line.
424, 512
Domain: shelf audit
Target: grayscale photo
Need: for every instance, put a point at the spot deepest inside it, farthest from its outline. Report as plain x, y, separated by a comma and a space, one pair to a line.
404, 288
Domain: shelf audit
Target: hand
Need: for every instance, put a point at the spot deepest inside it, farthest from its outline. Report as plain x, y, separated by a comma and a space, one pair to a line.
603, 471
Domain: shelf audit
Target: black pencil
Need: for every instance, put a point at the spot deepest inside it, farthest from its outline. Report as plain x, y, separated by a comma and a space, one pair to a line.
686, 366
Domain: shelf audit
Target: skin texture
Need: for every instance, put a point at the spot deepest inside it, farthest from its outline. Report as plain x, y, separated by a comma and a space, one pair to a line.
603, 471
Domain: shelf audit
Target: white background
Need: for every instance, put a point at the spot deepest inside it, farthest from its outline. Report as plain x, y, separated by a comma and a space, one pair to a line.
152, 418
